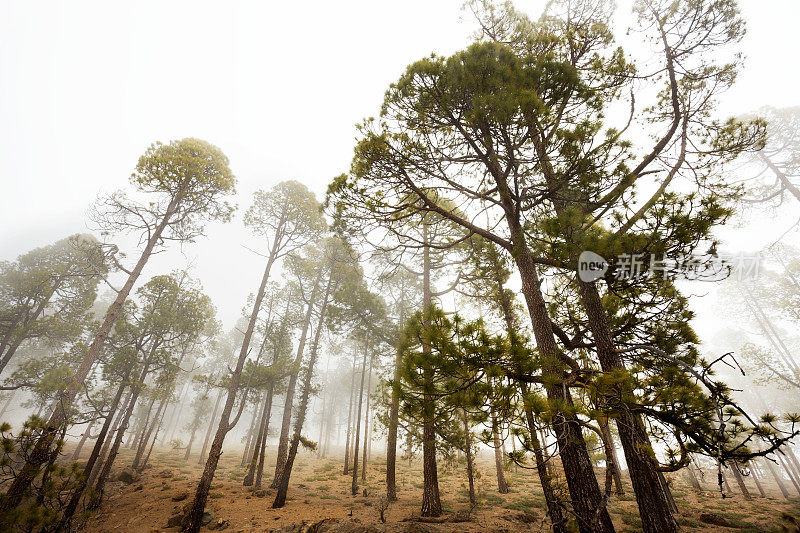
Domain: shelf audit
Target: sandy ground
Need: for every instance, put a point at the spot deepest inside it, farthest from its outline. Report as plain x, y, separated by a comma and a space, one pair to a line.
319, 490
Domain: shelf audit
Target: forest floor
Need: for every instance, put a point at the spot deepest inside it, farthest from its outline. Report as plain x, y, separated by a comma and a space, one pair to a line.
319, 490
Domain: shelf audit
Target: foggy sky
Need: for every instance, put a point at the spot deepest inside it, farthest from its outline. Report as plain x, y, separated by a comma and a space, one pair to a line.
85, 87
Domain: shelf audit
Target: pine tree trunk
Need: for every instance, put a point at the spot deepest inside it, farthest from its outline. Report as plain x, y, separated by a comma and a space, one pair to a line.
8, 402
193, 520
740, 481
253, 452
468, 452
77, 453
788, 470
366, 427
502, 485
262, 453
112, 453
554, 506
354, 485
431, 502
654, 504
391, 439
283, 487
210, 429
258, 411
86, 479
777, 478
349, 419
188, 453
611, 455
587, 500
146, 438
755, 474
693, 479
283, 442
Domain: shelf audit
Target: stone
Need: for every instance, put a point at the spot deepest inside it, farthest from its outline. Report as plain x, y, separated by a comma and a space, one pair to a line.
219, 525
180, 496
715, 519
128, 476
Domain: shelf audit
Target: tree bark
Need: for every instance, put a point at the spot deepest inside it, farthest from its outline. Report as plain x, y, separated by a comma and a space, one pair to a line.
740, 481
41, 450
366, 427
283, 442
468, 452
210, 428
85, 479
283, 486
554, 506
777, 478
502, 485
193, 520
262, 453
349, 419
587, 500
611, 455
354, 485
77, 453
654, 504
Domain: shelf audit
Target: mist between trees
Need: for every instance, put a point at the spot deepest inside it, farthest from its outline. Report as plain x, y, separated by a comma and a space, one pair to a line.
428, 309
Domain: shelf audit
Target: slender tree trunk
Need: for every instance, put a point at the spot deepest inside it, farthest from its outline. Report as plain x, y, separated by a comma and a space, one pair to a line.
693, 479
554, 506
109, 439
41, 450
193, 520
283, 442
740, 481
210, 428
611, 455
175, 415
431, 502
349, 418
654, 504
263, 452
354, 485
85, 479
777, 478
188, 453
147, 434
755, 474
286, 474
366, 427
77, 453
8, 402
254, 451
394, 415
468, 452
502, 485
112, 453
258, 412
788, 469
